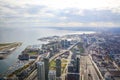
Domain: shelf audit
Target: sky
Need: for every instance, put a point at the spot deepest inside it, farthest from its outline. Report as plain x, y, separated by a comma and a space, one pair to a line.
60, 13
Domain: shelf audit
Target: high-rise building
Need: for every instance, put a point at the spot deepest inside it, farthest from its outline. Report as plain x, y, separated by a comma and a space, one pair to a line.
58, 67
46, 62
77, 65
52, 75
40, 71
65, 43
71, 76
70, 67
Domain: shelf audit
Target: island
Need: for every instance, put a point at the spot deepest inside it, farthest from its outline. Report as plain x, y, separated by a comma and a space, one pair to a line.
7, 48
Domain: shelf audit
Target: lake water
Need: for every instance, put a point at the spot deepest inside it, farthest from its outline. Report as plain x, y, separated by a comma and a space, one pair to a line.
28, 36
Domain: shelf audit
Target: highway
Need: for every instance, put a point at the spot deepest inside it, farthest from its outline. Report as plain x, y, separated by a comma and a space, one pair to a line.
87, 69
33, 75
56, 55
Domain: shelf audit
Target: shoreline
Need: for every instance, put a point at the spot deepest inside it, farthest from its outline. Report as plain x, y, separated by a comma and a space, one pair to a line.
8, 49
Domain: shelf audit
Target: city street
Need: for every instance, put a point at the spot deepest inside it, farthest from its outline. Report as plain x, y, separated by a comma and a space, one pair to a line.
87, 69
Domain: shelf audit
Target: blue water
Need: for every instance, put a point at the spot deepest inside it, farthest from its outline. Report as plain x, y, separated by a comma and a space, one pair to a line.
28, 36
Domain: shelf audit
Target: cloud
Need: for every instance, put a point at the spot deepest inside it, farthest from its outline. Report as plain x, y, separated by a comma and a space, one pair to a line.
79, 13
62, 4
80, 4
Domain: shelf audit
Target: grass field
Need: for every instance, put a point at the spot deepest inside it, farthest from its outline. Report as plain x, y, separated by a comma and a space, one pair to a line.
52, 65
63, 65
32, 53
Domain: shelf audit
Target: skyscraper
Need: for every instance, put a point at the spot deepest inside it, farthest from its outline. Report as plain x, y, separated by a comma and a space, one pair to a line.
77, 65
40, 71
46, 62
58, 67
52, 75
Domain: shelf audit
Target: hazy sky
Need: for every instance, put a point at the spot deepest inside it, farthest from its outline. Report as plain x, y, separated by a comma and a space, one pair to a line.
61, 13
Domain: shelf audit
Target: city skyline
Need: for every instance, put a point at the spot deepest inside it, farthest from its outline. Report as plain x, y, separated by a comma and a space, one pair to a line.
60, 39
92, 56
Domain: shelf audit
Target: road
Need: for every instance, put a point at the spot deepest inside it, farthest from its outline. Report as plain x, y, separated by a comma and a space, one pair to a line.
33, 75
66, 68
56, 55
62, 52
87, 69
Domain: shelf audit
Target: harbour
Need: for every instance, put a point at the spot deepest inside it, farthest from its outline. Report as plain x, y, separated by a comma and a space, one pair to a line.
26, 39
